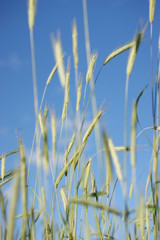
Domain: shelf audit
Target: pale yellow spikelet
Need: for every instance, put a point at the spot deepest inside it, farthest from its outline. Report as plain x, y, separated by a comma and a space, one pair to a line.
69, 148
41, 123
91, 126
31, 13
63, 197
3, 160
58, 54
75, 44
147, 221
152, 4
131, 190
54, 132
109, 171
147, 183
91, 67
43, 196
66, 96
51, 74
118, 51
115, 159
141, 215
79, 91
87, 175
133, 51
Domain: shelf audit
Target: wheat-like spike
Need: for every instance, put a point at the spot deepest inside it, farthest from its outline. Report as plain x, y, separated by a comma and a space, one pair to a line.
131, 190
91, 126
41, 123
75, 44
118, 51
54, 132
69, 149
57, 48
91, 67
109, 171
3, 167
66, 97
79, 91
141, 216
87, 175
133, 52
133, 136
115, 159
51, 74
152, 4
31, 13
64, 199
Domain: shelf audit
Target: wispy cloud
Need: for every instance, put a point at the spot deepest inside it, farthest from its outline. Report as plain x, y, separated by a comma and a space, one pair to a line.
13, 61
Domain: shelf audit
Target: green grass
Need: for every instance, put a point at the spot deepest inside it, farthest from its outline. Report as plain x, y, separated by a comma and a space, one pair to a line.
76, 205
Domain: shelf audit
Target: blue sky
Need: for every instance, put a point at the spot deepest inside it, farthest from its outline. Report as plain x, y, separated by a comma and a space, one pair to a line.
111, 24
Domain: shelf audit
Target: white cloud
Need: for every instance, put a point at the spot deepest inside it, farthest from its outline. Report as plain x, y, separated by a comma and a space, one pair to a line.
13, 61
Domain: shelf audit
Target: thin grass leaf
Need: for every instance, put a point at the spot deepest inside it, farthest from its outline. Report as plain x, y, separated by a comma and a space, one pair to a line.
82, 174
118, 51
97, 205
9, 153
115, 159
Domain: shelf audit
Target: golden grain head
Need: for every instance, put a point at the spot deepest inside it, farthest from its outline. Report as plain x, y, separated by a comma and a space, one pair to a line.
3, 160
58, 54
31, 13
91, 67
79, 91
152, 4
66, 96
75, 43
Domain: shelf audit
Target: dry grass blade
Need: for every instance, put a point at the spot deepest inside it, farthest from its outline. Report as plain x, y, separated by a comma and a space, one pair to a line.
141, 216
8, 177
133, 136
91, 126
12, 208
75, 43
91, 67
131, 190
66, 97
82, 174
54, 132
147, 221
3, 167
9, 153
118, 51
31, 13
115, 159
56, 44
23, 188
79, 91
97, 205
152, 4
